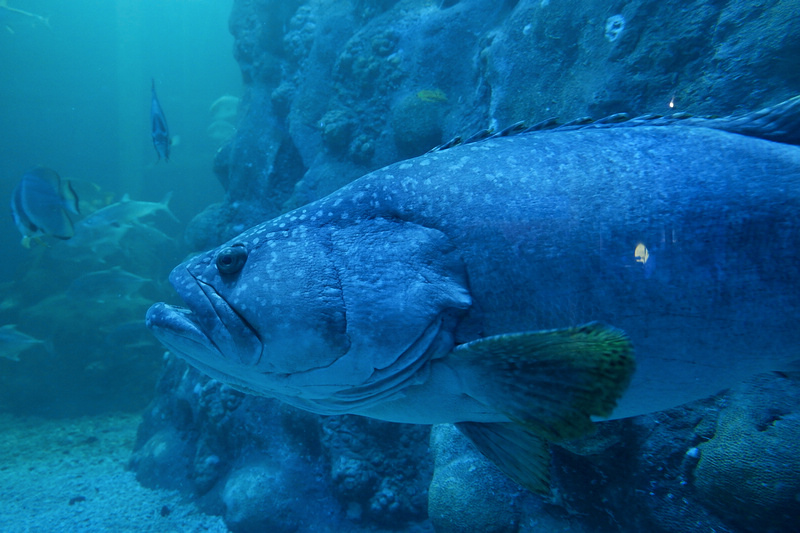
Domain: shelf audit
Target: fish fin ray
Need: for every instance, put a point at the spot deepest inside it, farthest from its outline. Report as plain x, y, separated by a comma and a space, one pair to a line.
518, 452
779, 123
70, 198
551, 382
165, 203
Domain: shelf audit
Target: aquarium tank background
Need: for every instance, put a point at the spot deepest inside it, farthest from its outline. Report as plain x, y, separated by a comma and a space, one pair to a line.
272, 105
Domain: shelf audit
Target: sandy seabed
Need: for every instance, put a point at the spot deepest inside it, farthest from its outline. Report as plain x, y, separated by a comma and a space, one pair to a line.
69, 475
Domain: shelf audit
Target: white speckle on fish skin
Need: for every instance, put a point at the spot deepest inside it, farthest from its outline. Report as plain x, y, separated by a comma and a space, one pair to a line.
405, 166
408, 183
345, 216
425, 162
271, 244
256, 279
459, 164
292, 219
255, 241
330, 213
337, 202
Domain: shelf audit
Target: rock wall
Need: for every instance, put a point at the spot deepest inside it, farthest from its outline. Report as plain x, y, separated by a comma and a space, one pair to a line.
335, 89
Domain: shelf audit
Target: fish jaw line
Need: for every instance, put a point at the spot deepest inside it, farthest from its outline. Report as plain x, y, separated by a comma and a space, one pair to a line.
235, 342
175, 328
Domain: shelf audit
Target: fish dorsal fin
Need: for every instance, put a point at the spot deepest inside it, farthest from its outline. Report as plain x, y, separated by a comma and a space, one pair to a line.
778, 123
70, 197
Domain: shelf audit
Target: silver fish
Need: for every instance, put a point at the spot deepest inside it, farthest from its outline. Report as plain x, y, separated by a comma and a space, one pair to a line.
462, 286
93, 242
104, 285
8, 11
40, 203
127, 211
158, 126
13, 342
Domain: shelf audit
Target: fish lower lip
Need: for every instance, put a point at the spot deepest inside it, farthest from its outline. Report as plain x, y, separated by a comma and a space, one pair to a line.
163, 320
237, 338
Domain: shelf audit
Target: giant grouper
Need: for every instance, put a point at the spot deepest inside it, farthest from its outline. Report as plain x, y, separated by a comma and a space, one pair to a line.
504, 284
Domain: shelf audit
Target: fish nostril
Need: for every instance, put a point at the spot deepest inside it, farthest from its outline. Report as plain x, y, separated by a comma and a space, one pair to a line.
231, 259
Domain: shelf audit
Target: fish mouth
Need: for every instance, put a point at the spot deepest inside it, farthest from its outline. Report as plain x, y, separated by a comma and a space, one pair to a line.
209, 332
177, 329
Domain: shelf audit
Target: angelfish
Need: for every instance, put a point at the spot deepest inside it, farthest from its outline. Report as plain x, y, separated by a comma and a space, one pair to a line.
40, 203
158, 126
473, 285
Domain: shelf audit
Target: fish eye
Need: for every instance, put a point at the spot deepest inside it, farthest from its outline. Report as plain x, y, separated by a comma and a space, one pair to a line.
231, 259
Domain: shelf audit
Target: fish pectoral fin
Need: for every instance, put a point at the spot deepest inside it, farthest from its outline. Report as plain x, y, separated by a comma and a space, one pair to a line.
518, 452
551, 382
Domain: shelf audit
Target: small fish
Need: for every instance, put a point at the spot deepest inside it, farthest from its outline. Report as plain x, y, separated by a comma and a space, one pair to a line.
158, 127
104, 285
40, 203
13, 342
94, 242
127, 211
45, 21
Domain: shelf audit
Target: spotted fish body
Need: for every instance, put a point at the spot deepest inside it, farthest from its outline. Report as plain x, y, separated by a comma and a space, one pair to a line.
401, 295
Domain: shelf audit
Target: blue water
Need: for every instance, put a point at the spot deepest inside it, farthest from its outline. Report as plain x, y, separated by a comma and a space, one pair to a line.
76, 96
